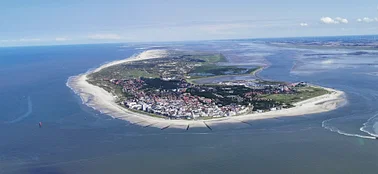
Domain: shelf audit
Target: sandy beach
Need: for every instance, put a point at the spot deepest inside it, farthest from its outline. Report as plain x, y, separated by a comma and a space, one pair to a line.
103, 101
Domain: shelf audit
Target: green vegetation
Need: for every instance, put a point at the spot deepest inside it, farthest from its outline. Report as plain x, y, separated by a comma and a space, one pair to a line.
174, 66
224, 95
138, 74
157, 83
118, 72
211, 70
211, 58
303, 93
253, 70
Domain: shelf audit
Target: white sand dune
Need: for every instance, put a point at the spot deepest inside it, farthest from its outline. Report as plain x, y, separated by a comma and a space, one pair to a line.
103, 101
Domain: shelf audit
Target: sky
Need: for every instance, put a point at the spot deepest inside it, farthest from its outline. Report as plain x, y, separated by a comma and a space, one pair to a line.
47, 22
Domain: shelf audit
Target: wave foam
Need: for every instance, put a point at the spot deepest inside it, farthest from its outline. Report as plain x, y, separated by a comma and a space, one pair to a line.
334, 129
26, 114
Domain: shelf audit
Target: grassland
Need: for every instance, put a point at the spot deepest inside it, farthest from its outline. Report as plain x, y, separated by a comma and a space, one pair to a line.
303, 93
211, 70
211, 58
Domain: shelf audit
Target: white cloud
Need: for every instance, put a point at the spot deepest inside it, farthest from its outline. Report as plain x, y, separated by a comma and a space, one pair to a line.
328, 20
367, 20
21, 40
337, 20
105, 36
29, 40
327, 62
61, 39
304, 24
342, 20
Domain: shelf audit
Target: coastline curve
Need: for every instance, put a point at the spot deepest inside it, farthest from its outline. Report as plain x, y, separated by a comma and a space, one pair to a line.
103, 101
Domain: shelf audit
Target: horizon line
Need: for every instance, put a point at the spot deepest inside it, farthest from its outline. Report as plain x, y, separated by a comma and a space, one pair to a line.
205, 40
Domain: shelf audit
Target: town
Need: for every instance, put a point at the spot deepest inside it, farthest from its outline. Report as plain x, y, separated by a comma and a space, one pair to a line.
178, 99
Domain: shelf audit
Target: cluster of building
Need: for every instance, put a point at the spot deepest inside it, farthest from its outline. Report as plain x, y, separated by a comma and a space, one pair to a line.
174, 103
259, 88
179, 103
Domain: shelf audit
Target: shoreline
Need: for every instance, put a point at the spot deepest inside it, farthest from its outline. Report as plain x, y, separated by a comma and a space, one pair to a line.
103, 101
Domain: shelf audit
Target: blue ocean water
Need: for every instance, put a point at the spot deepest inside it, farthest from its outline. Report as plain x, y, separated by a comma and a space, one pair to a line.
77, 139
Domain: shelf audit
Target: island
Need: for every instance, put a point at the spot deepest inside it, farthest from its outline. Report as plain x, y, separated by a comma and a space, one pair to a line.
169, 89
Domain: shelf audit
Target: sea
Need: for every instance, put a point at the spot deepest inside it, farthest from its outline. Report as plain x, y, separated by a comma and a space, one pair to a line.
76, 139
